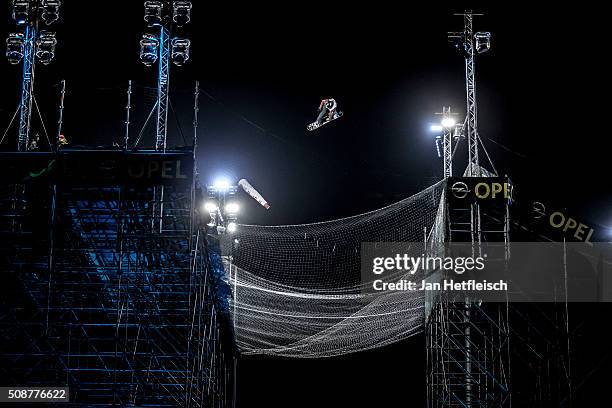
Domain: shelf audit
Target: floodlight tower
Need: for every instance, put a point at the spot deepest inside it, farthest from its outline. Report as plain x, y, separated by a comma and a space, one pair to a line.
27, 46
163, 48
471, 44
451, 129
222, 206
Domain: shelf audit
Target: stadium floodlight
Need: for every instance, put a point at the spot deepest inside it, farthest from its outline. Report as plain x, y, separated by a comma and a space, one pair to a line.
153, 12
181, 12
448, 122
50, 11
483, 42
221, 184
149, 49
180, 51
211, 206
21, 11
45, 47
232, 208
15, 46
232, 227
436, 128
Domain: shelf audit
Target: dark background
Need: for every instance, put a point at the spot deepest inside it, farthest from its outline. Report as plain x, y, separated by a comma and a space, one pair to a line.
263, 69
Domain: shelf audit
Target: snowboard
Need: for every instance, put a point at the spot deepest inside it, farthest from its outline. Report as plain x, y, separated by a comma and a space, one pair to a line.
315, 125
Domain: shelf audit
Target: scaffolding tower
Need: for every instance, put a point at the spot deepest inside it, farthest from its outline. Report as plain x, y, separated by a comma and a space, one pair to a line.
474, 348
467, 341
101, 299
468, 354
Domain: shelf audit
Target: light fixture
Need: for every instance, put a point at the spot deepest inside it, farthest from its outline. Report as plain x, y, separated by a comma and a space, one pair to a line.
149, 48
232, 208
15, 46
21, 11
232, 227
221, 184
180, 51
50, 11
436, 128
483, 42
153, 12
181, 12
211, 206
448, 122
45, 47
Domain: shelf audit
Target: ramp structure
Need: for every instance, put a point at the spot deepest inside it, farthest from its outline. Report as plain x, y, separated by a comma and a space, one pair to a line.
109, 295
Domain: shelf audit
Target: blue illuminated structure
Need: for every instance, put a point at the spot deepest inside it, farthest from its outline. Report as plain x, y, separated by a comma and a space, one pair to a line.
99, 299
165, 16
163, 87
27, 88
27, 46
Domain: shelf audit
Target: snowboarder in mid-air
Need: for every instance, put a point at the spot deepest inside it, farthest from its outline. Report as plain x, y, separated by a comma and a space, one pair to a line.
328, 111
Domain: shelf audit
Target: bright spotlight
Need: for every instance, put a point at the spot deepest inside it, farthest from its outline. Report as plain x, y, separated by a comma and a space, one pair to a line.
149, 48
221, 184
45, 47
436, 128
211, 207
15, 46
448, 122
232, 227
232, 208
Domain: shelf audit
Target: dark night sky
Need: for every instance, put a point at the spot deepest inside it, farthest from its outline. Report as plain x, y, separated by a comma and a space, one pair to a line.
264, 69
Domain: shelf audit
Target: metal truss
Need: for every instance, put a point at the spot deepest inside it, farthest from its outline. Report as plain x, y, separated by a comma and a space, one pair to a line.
447, 143
472, 112
27, 88
163, 87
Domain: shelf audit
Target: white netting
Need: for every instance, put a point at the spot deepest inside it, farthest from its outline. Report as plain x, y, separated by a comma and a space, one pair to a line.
297, 290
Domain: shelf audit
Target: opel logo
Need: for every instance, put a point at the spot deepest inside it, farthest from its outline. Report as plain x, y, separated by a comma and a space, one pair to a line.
460, 189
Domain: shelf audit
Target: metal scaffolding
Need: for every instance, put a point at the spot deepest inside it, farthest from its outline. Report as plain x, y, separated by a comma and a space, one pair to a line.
467, 347
467, 342
468, 355
102, 300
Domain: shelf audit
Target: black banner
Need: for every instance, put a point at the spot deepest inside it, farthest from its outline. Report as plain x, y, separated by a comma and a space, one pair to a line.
99, 167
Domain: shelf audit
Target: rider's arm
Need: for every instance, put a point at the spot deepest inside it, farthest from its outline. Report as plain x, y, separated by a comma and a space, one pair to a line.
322, 104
